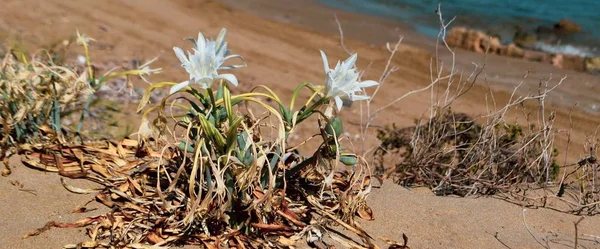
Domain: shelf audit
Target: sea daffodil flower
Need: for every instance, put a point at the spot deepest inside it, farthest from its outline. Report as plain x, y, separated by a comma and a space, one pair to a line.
204, 63
343, 81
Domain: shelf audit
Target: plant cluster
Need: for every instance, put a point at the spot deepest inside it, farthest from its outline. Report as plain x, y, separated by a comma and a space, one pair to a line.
36, 94
222, 177
223, 174
453, 154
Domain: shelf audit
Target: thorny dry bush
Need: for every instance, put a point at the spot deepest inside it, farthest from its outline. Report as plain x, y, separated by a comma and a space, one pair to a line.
456, 154
206, 170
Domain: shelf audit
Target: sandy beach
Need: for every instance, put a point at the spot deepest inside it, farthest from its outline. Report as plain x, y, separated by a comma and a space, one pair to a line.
280, 41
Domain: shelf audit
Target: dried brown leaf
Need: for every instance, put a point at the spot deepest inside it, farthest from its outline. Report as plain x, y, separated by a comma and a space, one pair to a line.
101, 169
366, 213
271, 227
129, 142
105, 199
87, 244
154, 238
51, 224
77, 190
286, 241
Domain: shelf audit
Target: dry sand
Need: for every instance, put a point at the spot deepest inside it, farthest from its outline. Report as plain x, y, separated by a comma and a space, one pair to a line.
280, 42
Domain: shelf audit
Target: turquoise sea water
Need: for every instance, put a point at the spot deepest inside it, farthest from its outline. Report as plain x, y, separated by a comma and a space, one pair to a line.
501, 17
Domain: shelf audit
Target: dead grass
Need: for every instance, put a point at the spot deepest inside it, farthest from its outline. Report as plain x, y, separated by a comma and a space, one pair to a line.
509, 151
35, 92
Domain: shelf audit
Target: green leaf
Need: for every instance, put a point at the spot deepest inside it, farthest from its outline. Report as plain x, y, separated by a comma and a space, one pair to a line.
231, 134
227, 102
220, 92
335, 126
286, 114
212, 132
199, 96
348, 159
55, 111
190, 147
86, 109
264, 179
244, 154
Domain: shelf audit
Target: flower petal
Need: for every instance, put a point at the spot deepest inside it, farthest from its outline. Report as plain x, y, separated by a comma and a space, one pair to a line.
231, 67
178, 87
233, 56
338, 103
201, 43
325, 63
221, 51
367, 83
228, 77
349, 63
355, 97
180, 55
329, 91
221, 38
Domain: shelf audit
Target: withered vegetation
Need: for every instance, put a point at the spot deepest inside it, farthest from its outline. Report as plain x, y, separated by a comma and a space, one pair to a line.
508, 152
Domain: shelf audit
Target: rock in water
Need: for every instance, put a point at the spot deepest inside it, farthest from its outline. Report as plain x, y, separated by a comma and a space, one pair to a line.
525, 39
567, 26
473, 40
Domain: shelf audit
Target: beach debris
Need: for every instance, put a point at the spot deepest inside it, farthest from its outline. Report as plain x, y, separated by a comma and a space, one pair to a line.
395, 244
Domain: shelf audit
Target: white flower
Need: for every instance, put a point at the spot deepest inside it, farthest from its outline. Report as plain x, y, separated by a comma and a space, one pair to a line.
343, 83
145, 70
204, 63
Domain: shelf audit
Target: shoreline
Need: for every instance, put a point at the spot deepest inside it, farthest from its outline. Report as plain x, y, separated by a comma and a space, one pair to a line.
318, 17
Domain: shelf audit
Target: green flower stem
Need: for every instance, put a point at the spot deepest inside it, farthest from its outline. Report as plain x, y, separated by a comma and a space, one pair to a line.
296, 92
86, 52
306, 113
86, 109
316, 92
238, 97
